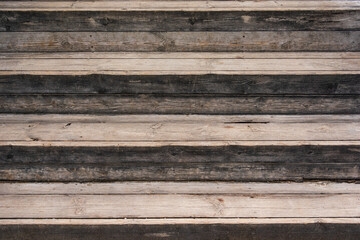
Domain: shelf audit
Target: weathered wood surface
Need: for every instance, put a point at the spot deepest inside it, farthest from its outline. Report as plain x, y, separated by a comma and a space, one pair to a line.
157, 131
172, 21
245, 172
181, 84
206, 188
181, 63
310, 231
179, 205
180, 41
114, 148
179, 104
178, 5
104, 155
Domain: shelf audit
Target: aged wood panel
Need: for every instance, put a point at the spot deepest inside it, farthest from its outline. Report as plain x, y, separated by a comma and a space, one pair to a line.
180, 104
180, 84
179, 131
246, 172
171, 21
180, 205
144, 188
179, 5
181, 41
116, 155
178, 65
310, 231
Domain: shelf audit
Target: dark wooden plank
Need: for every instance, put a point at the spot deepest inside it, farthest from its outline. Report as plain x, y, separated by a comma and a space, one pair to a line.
113, 21
310, 231
180, 104
181, 84
181, 41
259, 172
103, 155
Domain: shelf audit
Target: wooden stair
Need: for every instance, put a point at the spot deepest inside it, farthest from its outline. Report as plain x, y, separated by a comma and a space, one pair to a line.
180, 120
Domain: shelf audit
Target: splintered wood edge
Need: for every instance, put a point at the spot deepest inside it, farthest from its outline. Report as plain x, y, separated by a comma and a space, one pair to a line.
179, 6
247, 221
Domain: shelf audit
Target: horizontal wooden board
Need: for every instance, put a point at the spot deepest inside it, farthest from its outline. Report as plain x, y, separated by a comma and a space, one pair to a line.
177, 63
179, 104
104, 156
166, 188
15, 19
180, 84
187, 230
179, 131
180, 205
244, 172
177, 5
181, 41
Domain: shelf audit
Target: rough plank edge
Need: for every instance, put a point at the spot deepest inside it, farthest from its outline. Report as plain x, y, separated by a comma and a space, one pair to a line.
182, 55
179, 221
173, 143
180, 6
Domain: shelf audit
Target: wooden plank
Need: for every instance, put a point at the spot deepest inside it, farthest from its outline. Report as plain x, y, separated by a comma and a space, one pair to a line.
177, 5
139, 66
181, 41
188, 230
179, 104
104, 155
179, 131
206, 188
244, 172
180, 205
178, 63
180, 84
18, 19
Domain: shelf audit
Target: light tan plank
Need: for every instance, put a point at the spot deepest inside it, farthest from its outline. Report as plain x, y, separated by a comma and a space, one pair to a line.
207, 188
178, 5
180, 63
152, 206
179, 132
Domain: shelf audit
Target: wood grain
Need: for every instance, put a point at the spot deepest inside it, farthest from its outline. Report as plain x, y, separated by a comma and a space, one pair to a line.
180, 41
179, 104
316, 230
180, 205
181, 84
110, 20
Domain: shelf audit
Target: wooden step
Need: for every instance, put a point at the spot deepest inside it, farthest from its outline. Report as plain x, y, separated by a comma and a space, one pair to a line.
230, 210
178, 83
179, 200
176, 147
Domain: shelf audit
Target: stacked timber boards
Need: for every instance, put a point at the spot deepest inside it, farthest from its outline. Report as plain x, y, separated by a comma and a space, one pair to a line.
179, 119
